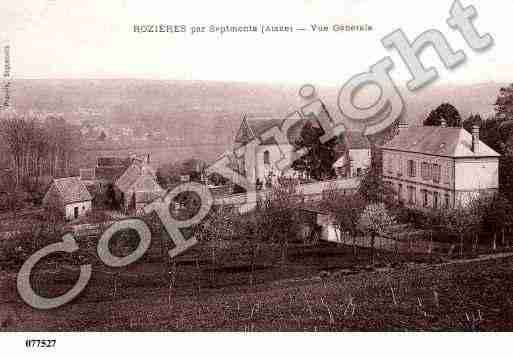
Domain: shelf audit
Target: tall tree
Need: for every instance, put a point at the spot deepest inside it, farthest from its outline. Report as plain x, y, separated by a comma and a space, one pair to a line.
446, 111
504, 103
318, 160
375, 220
372, 187
345, 210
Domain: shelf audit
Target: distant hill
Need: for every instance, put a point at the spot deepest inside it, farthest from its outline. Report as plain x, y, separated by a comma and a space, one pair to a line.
188, 113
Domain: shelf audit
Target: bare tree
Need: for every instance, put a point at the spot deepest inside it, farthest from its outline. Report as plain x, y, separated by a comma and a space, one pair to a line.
38, 145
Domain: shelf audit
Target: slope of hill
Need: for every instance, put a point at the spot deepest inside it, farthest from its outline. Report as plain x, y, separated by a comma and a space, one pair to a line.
190, 113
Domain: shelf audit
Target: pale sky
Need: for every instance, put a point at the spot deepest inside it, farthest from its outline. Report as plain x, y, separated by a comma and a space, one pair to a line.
94, 39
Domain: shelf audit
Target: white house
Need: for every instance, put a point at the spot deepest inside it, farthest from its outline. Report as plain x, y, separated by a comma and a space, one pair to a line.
354, 155
69, 196
434, 166
262, 164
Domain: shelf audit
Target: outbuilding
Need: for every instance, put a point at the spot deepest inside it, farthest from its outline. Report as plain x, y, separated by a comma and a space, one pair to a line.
69, 196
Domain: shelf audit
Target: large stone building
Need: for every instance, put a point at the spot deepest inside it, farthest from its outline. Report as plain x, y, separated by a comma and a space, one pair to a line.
431, 166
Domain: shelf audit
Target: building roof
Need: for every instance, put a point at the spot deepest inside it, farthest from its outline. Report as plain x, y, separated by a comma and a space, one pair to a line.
341, 162
87, 174
106, 161
110, 174
254, 127
140, 176
129, 177
147, 197
438, 141
71, 190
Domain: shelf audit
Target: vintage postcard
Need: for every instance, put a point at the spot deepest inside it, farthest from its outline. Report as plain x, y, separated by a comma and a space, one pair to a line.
255, 166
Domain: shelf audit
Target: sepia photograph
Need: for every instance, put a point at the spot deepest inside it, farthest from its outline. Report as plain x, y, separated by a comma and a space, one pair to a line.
262, 171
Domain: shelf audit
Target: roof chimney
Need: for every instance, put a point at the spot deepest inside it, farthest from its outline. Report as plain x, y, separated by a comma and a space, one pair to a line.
475, 138
443, 122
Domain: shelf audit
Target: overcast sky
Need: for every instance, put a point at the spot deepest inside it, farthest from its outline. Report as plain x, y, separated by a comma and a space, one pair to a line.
93, 39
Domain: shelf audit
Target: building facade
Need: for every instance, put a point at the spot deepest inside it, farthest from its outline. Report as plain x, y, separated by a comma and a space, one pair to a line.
261, 153
137, 186
354, 155
434, 167
68, 196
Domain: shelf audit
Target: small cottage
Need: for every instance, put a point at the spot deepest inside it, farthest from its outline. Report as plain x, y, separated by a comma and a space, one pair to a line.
354, 155
68, 196
137, 186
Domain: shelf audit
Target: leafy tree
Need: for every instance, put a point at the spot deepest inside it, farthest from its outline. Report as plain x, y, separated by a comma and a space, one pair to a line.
372, 187
318, 160
219, 225
277, 218
504, 103
471, 121
346, 210
375, 220
506, 175
497, 215
38, 145
463, 220
446, 111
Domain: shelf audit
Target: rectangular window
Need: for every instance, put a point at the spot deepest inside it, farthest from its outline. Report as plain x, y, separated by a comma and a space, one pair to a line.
267, 157
425, 171
399, 166
447, 200
389, 164
425, 199
412, 170
436, 172
447, 174
400, 192
435, 200
411, 194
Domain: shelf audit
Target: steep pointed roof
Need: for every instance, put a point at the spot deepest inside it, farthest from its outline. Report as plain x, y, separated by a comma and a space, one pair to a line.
140, 176
253, 127
71, 190
438, 141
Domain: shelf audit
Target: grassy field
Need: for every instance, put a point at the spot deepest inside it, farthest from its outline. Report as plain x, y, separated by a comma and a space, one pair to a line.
322, 288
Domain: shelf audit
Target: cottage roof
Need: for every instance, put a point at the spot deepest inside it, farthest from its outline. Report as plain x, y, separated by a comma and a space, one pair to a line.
110, 174
253, 127
139, 176
71, 190
438, 141
87, 174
